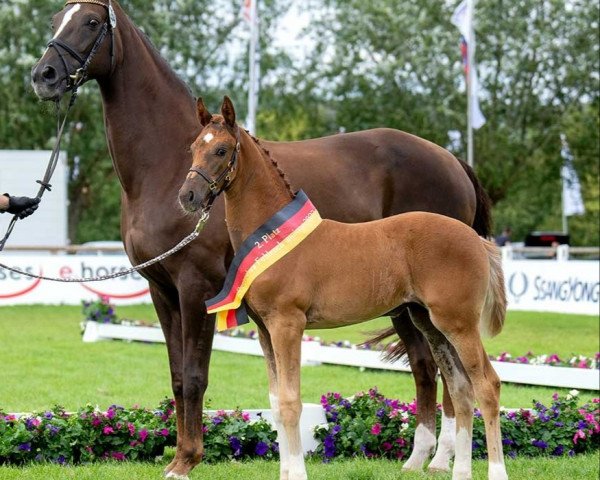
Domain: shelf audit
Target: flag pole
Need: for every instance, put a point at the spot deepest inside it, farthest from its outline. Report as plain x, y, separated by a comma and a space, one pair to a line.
253, 67
470, 54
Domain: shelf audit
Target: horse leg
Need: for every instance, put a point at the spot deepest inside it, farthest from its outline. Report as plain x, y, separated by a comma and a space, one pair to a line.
197, 333
170, 322
265, 342
424, 371
286, 337
486, 385
459, 387
447, 437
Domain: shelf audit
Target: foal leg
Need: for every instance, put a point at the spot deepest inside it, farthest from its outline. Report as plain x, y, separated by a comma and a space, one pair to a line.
284, 455
424, 371
459, 386
447, 437
286, 337
486, 384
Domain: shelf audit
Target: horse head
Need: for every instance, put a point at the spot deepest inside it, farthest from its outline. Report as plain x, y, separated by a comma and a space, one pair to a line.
82, 47
214, 154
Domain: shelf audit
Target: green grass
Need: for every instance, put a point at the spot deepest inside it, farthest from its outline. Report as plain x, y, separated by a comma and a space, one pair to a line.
579, 468
45, 363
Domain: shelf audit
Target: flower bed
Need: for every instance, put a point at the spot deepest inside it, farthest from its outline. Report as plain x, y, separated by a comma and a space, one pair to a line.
370, 425
119, 434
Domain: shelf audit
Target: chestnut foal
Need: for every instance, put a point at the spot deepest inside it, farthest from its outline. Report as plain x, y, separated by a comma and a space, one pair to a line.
338, 274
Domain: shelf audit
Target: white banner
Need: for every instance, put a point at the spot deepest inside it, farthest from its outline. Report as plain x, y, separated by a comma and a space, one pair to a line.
535, 285
18, 289
552, 286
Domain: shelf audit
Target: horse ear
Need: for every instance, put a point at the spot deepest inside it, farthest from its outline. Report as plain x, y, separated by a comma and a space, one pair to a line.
228, 111
203, 114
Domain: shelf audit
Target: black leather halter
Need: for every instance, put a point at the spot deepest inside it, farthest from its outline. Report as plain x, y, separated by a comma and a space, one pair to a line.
218, 185
80, 75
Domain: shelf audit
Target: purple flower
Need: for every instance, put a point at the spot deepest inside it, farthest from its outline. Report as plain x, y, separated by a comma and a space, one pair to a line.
507, 441
48, 415
120, 456
143, 435
25, 447
336, 429
558, 451
236, 446
61, 460
380, 413
164, 432
539, 443
53, 430
261, 449
512, 454
31, 423
217, 420
329, 446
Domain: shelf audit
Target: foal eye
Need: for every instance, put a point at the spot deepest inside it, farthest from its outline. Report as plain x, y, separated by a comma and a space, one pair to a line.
221, 152
93, 22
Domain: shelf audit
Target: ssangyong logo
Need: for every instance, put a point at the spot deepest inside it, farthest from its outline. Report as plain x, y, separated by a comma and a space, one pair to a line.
518, 285
20, 284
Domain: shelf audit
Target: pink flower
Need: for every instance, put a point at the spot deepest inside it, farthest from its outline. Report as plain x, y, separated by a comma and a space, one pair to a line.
143, 434
578, 434
400, 441
131, 428
376, 429
108, 430
164, 432
386, 445
393, 413
412, 407
555, 396
246, 416
96, 421
110, 413
118, 456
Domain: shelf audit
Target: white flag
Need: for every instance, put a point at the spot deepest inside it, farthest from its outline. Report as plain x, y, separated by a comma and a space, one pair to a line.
571, 188
462, 18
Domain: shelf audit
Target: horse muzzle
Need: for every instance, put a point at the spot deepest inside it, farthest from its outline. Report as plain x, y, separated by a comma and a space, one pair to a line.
192, 196
48, 82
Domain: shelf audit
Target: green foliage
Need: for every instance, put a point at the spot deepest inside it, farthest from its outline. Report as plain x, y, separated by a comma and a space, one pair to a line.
370, 425
100, 310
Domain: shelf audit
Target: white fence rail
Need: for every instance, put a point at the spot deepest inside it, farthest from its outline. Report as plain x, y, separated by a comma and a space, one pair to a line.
313, 353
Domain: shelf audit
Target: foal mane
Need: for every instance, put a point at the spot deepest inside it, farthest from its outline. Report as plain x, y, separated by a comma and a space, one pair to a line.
281, 173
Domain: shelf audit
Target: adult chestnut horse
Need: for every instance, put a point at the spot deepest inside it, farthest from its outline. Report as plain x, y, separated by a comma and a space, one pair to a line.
313, 273
150, 120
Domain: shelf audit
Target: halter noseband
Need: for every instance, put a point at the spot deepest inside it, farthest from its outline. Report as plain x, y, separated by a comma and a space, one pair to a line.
80, 74
220, 184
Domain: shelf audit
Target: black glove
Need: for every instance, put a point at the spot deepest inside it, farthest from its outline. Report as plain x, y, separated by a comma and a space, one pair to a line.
22, 206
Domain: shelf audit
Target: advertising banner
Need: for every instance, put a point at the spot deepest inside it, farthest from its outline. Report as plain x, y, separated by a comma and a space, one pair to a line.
533, 285
552, 286
18, 289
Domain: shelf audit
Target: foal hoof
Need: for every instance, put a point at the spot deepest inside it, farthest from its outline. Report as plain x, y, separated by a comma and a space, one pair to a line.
174, 475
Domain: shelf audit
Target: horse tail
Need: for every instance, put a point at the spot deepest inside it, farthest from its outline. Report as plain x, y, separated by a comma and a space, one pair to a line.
393, 351
494, 309
482, 223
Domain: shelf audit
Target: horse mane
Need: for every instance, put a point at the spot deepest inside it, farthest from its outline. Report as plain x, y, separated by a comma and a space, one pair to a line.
281, 173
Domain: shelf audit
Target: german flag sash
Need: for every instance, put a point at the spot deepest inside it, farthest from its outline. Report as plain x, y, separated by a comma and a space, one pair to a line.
270, 242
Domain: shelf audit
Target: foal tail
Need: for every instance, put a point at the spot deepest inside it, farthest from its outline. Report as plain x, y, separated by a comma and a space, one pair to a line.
494, 309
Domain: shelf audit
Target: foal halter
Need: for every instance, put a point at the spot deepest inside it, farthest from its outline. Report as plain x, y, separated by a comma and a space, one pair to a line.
219, 184
80, 75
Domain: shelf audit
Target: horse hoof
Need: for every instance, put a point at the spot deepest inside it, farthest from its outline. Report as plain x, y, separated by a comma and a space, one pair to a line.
174, 475
438, 469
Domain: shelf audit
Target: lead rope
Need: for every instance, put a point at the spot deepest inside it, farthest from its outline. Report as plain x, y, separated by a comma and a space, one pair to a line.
191, 237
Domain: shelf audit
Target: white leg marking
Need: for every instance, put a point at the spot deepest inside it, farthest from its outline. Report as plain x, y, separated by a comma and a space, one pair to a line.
208, 137
446, 442
462, 461
424, 444
497, 471
284, 451
174, 475
67, 18
297, 468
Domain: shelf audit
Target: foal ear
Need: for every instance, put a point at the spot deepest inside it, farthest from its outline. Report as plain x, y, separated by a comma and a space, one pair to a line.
228, 111
203, 114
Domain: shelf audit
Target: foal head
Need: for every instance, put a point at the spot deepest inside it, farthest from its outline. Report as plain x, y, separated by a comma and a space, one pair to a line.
214, 154
82, 47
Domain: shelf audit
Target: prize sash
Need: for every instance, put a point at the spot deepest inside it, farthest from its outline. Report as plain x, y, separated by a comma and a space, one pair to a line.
275, 238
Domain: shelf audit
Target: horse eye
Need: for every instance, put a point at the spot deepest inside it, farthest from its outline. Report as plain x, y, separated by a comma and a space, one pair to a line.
221, 152
93, 22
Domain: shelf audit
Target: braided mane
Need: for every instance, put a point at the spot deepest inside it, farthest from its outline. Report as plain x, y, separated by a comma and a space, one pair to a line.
274, 163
